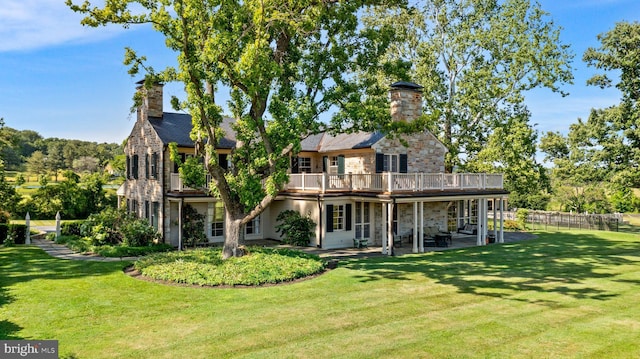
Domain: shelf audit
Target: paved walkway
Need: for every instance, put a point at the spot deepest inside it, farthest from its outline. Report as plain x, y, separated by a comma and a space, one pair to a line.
62, 252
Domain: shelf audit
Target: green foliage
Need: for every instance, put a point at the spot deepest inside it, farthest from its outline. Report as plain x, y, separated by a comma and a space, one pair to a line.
521, 216
74, 197
205, 266
129, 251
295, 228
138, 233
71, 228
476, 59
116, 226
193, 226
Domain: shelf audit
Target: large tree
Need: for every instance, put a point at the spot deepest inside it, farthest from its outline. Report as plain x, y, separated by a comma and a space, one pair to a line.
283, 62
476, 60
612, 135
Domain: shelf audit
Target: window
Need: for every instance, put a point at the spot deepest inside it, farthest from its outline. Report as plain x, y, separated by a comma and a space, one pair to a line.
155, 214
154, 166
304, 164
338, 217
253, 227
390, 163
216, 218
363, 220
147, 211
333, 164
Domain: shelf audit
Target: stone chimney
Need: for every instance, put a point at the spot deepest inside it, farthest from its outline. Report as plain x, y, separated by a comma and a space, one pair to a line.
151, 100
406, 101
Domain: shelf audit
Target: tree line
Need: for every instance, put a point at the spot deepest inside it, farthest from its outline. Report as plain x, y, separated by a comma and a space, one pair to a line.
28, 151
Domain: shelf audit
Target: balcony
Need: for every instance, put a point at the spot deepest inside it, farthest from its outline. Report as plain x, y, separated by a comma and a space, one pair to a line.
379, 182
393, 182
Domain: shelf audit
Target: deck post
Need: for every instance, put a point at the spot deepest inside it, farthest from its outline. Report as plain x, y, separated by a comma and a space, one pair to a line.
421, 236
384, 233
415, 227
501, 240
479, 223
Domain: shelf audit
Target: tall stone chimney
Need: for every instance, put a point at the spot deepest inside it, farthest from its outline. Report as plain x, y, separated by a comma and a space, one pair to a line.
406, 101
151, 100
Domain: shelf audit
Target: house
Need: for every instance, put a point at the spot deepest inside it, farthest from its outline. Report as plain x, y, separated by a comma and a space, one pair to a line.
361, 187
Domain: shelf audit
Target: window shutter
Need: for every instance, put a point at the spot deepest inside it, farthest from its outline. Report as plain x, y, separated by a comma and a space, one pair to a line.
347, 216
403, 163
128, 169
379, 162
341, 165
325, 163
147, 165
135, 166
222, 160
294, 165
329, 218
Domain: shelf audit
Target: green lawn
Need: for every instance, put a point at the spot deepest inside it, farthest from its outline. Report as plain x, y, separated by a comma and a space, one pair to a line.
564, 295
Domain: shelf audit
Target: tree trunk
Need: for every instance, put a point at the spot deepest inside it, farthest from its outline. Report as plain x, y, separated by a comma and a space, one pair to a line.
233, 236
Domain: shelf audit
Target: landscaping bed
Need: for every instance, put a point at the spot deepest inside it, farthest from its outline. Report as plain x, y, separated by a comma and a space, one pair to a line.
205, 267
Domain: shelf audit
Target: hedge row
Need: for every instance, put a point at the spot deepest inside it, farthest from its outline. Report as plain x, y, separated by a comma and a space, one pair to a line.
18, 231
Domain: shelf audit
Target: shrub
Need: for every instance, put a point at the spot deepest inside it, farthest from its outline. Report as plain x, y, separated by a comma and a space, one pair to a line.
115, 227
521, 215
18, 232
206, 267
71, 228
138, 233
193, 226
295, 229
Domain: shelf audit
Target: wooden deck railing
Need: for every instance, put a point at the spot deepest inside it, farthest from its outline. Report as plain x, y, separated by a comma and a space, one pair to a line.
380, 182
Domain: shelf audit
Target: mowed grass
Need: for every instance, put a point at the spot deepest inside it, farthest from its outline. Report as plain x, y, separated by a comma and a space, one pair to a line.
563, 295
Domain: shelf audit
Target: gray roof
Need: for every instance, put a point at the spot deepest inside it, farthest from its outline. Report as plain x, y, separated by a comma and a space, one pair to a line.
176, 127
345, 141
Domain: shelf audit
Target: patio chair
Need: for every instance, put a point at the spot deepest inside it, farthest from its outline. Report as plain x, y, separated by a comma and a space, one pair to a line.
399, 238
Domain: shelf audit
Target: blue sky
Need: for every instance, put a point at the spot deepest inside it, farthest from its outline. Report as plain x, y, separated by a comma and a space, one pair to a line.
63, 80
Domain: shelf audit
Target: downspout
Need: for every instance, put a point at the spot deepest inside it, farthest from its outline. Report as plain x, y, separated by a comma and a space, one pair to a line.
320, 222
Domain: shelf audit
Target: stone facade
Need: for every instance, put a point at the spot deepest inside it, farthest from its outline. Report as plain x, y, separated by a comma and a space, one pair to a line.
406, 103
425, 153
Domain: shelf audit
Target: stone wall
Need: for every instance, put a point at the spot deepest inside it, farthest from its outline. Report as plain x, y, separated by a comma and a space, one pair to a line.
425, 153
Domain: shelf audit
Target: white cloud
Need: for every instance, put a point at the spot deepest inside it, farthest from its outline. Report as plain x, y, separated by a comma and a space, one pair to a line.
33, 24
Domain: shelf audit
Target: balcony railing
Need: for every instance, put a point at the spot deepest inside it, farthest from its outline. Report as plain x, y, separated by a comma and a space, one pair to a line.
380, 182
394, 182
177, 185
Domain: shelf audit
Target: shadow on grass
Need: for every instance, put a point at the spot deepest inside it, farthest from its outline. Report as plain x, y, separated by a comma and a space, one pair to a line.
560, 263
23, 263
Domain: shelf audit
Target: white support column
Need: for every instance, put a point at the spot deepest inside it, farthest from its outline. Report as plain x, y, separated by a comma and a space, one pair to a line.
479, 223
495, 219
415, 227
485, 218
384, 229
27, 221
180, 225
57, 225
390, 228
421, 236
501, 240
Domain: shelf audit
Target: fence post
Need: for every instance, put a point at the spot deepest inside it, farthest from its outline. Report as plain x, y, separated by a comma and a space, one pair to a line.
57, 225
27, 220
